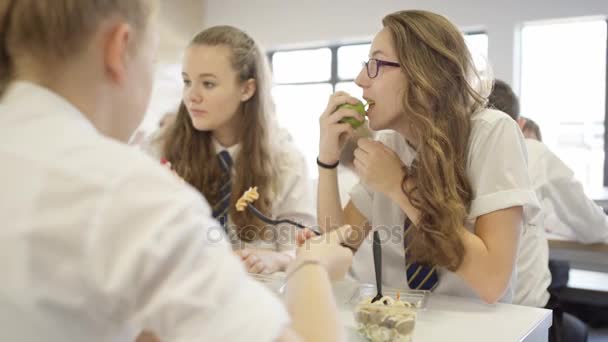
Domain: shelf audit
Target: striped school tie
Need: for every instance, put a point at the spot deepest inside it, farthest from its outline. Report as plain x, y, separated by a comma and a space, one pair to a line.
418, 277
220, 210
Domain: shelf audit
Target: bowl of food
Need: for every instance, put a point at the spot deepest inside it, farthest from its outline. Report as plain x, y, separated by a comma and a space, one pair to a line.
392, 318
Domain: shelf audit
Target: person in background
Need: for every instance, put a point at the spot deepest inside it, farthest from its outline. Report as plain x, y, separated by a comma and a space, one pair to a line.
569, 213
561, 196
148, 142
533, 274
225, 140
98, 241
530, 129
167, 119
453, 206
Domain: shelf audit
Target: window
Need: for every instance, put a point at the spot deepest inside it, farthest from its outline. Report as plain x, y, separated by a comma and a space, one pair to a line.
563, 89
350, 59
302, 66
304, 79
477, 43
298, 108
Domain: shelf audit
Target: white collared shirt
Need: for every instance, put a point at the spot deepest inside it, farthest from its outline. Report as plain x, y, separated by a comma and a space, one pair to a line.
294, 199
497, 171
570, 214
99, 241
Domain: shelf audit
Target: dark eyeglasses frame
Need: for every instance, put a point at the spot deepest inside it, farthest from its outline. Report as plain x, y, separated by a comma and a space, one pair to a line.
380, 63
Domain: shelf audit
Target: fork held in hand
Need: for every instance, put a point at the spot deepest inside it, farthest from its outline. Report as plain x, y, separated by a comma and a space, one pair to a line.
377, 265
268, 220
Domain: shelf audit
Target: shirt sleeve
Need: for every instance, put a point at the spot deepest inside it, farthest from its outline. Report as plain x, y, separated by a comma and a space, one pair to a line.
568, 200
362, 199
497, 169
160, 262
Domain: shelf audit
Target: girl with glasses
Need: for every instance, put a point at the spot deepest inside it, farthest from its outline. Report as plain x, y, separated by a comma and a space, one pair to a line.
445, 183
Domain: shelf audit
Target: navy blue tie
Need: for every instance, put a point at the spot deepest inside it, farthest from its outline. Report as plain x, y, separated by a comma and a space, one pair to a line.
220, 210
419, 277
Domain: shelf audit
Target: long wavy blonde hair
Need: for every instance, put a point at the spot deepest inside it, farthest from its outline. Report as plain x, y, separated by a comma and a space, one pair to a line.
439, 100
192, 154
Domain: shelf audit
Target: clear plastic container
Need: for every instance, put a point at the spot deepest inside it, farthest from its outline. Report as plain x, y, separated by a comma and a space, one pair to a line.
272, 281
417, 298
392, 318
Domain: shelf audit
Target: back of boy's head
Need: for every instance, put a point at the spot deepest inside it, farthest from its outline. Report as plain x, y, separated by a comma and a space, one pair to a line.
52, 32
504, 99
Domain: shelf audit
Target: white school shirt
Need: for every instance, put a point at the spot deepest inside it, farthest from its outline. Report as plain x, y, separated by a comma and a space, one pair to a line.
293, 201
347, 180
98, 241
533, 274
496, 168
570, 214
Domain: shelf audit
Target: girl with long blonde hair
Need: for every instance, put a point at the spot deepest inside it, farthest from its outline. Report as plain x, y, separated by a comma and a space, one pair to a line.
224, 140
445, 182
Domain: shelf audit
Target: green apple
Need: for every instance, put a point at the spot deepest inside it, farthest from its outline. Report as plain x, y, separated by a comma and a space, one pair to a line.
359, 108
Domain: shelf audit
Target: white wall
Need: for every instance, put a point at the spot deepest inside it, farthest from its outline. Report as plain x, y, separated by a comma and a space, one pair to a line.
179, 21
278, 23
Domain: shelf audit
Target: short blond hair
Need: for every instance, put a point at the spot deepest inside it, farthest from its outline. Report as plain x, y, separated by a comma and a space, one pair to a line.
57, 30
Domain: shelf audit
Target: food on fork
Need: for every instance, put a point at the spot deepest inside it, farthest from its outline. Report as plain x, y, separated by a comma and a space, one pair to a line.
248, 197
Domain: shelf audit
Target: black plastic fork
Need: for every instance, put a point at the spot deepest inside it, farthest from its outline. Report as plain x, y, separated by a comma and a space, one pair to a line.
269, 220
377, 265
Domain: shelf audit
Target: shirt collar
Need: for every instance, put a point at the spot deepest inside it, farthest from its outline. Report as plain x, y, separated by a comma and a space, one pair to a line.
27, 100
232, 150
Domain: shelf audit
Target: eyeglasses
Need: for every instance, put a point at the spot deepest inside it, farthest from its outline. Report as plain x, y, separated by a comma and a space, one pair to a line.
373, 66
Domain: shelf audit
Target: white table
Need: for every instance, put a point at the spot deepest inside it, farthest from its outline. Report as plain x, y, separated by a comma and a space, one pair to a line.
592, 257
449, 318
462, 319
